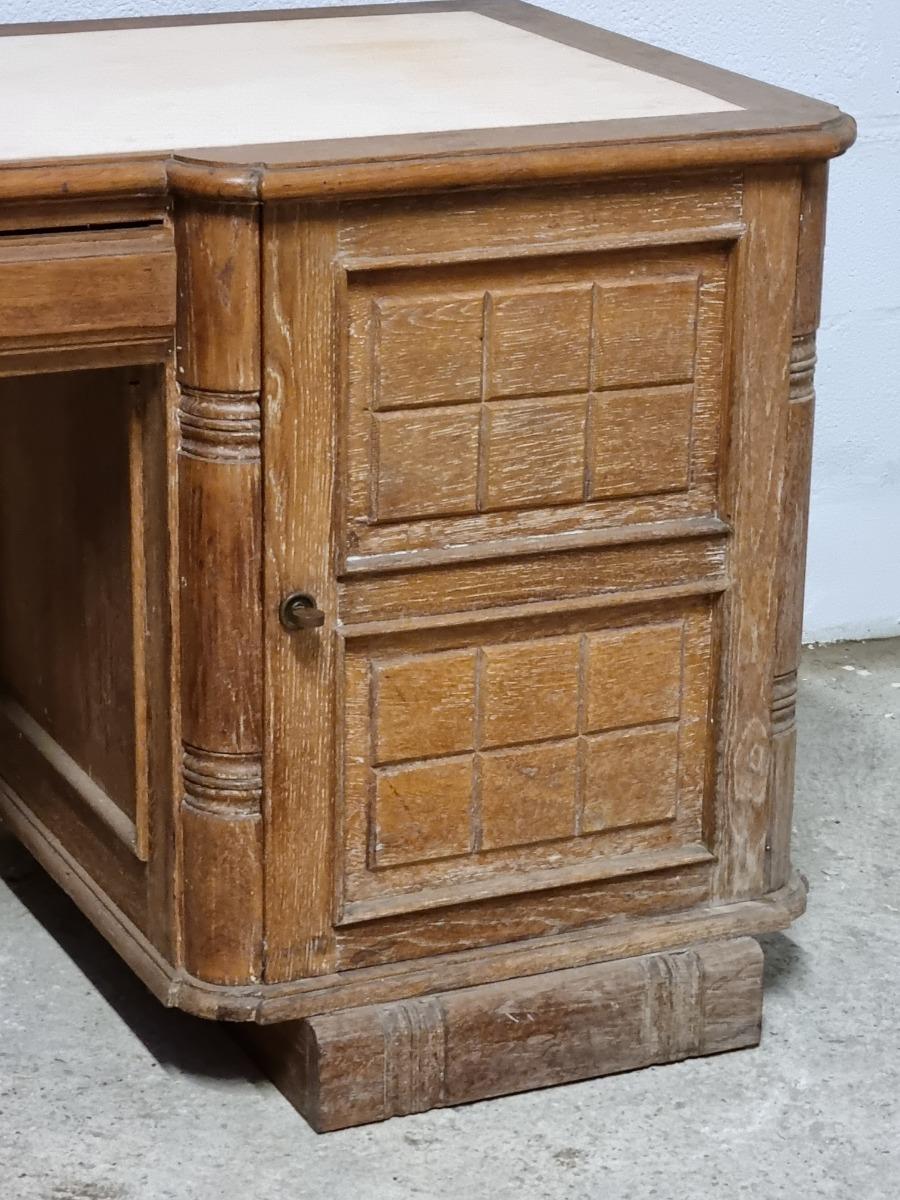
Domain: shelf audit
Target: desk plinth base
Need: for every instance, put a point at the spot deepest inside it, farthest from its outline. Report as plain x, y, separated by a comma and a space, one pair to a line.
385, 1060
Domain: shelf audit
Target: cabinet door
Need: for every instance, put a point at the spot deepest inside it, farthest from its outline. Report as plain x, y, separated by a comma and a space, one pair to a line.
504, 455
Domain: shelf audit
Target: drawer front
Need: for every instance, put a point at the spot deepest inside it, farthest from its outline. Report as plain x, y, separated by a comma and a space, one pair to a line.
65, 286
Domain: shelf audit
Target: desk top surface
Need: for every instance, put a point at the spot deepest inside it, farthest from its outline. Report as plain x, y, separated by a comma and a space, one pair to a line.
317, 85
123, 90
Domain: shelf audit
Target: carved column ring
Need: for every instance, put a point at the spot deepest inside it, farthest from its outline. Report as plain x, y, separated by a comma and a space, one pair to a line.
220, 427
803, 366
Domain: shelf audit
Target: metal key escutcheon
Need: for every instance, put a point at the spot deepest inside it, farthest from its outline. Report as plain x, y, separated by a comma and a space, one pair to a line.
298, 611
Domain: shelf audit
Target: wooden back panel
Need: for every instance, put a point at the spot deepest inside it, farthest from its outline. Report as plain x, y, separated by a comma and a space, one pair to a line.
85, 518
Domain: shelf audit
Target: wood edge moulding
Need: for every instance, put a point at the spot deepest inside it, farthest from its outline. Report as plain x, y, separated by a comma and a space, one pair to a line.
523, 883
712, 233
619, 535
564, 164
49, 357
711, 586
256, 180
81, 786
64, 215
276, 1002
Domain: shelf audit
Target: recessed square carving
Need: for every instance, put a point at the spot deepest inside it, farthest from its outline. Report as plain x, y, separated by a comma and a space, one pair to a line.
426, 462
633, 676
422, 811
529, 691
468, 759
564, 390
424, 706
631, 778
534, 452
640, 442
539, 341
646, 332
528, 795
428, 352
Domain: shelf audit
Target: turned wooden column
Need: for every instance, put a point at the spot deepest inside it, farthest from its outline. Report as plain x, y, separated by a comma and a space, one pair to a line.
220, 575
794, 521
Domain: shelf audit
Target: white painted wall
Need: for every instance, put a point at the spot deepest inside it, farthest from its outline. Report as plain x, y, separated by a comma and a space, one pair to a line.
848, 52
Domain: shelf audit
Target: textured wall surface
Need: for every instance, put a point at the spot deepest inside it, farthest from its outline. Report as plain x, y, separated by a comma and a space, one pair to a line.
848, 54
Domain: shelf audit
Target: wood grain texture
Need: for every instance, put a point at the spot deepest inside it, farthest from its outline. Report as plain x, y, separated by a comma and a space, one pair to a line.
302, 383
460, 590
220, 572
84, 647
496, 223
549, 439
560, 898
76, 213
368, 1064
764, 286
65, 801
536, 735
105, 281
69, 656
219, 304
161, 713
791, 567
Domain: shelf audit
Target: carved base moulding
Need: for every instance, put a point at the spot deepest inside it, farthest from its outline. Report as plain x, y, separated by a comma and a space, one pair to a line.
386, 1060
402, 531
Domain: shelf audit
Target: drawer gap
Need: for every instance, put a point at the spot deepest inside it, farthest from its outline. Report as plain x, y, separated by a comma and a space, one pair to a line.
93, 227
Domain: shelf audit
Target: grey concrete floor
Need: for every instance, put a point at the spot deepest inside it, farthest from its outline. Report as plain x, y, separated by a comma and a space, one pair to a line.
106, 1096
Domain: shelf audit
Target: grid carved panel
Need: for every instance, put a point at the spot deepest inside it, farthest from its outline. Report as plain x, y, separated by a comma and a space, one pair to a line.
491, 403
494, 758
501, 400
482, 748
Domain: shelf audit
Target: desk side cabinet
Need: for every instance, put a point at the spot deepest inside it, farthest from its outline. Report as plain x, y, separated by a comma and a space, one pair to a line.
402, 570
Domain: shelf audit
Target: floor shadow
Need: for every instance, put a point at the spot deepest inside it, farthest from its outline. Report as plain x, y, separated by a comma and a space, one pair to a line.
783, 961
176, 1040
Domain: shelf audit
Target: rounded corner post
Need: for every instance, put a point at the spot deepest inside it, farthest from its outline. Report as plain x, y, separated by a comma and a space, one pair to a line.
218, 388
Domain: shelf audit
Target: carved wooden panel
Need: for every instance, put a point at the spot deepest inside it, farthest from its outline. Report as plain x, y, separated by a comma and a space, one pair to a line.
547, 397
479, 750
646, 333
533, 452
426, 467
640, 442
537, 340
426, 353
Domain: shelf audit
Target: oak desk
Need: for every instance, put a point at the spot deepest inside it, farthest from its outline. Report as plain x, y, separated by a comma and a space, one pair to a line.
402, 521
